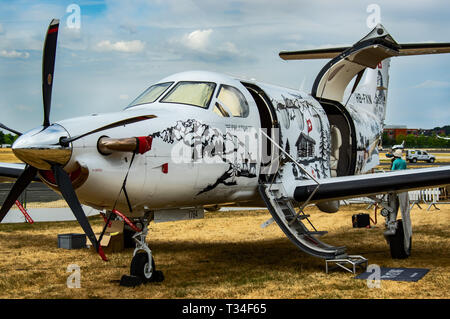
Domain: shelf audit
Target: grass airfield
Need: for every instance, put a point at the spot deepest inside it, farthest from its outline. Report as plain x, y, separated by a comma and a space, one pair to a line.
226, 255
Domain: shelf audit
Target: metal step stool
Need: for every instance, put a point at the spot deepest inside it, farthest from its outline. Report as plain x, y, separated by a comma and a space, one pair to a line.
354, 260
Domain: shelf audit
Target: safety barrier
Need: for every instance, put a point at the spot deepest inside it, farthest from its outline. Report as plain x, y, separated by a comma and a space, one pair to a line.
427, 196
430, 197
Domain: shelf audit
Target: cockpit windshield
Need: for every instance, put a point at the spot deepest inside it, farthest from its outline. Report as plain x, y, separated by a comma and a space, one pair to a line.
151, 94
191, 93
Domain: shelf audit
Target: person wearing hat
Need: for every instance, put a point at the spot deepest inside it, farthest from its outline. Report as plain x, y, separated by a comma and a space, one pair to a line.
399, 162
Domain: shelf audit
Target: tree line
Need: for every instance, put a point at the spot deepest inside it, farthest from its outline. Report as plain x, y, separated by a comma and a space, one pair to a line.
7, 138
420, 141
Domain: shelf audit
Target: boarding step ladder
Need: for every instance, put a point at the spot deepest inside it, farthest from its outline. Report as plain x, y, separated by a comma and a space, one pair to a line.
281, 208
291, 223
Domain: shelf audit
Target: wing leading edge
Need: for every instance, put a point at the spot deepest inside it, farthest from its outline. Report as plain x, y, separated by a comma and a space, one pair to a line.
11, 170
372, 184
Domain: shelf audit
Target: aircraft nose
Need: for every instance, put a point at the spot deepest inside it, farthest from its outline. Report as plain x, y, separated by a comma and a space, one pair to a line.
41, 147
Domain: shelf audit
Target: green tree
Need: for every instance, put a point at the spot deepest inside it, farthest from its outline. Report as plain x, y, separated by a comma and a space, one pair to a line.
9, 138
411, 140
400, 138
386, 141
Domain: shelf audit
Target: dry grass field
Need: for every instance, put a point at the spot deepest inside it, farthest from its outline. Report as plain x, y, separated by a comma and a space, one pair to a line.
7, 156
226, 255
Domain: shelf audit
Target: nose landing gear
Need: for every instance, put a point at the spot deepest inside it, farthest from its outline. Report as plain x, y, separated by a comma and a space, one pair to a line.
142, 269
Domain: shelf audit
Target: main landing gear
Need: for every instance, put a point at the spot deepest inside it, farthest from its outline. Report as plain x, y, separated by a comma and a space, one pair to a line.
398, 233
142, 269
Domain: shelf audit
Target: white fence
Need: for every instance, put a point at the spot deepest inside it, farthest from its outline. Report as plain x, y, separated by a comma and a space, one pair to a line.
429, 197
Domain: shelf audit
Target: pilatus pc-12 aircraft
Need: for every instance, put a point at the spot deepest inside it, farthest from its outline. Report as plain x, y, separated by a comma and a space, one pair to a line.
201, 140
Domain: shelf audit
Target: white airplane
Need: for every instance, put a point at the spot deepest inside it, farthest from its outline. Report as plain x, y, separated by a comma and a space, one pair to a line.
197, 140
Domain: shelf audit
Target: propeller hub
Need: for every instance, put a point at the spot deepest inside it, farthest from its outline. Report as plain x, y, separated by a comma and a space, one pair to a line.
41, 147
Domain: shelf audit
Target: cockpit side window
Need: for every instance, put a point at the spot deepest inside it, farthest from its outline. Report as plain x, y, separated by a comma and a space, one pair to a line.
231, 100
151, 94
191, 93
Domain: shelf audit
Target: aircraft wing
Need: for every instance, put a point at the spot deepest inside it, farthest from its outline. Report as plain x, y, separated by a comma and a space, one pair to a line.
13, 170
345, 187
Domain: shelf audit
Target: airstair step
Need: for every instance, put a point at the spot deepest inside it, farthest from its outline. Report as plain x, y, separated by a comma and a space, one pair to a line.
317, 233
289, 218
282, 199
290, 222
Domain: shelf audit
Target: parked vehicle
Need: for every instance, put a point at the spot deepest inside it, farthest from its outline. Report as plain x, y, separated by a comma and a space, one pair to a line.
417, 155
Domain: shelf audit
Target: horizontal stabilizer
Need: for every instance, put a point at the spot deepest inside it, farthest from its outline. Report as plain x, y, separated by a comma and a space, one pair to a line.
327, 53
403, 50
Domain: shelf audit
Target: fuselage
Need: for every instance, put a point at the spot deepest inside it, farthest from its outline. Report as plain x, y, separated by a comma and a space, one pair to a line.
207, 146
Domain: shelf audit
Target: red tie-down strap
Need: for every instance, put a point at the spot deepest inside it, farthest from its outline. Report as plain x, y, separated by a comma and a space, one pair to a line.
126, 220
24, 212
105, 219
144, 144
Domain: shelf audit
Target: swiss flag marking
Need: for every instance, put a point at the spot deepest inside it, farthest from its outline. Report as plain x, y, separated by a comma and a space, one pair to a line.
308, 122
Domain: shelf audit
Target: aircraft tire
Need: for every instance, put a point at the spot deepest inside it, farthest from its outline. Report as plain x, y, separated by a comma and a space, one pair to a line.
139, 267
397, 245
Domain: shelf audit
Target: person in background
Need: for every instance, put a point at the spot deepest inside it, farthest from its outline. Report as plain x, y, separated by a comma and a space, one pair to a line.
399, 162
391, 153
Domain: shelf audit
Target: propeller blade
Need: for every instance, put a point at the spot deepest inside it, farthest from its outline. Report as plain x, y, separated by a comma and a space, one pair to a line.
67, 141
67, 191
9, 129
19, 186
48, 66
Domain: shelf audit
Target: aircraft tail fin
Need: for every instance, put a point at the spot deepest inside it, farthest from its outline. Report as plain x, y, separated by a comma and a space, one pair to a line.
371, 91
369, 57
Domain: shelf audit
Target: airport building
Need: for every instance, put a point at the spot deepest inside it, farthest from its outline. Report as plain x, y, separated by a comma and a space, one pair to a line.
393, 131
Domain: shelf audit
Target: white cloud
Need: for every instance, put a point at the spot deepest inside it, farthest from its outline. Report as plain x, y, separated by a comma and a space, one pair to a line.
230, 47
134, 46
431, 84
14, 54
197, 40
124, 96
205, 45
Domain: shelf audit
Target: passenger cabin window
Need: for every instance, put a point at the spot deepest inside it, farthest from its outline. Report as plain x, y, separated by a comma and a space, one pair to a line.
231, 102
151, 94
191, 93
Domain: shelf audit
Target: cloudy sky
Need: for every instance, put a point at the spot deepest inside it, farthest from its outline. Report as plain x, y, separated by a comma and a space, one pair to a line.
115, 49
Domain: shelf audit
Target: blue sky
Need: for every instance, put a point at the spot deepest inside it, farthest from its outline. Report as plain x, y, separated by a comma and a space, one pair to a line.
122, 47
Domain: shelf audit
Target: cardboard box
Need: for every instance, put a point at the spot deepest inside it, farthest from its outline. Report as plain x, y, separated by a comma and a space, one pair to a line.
112, 241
